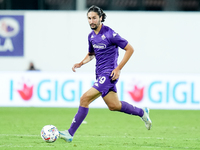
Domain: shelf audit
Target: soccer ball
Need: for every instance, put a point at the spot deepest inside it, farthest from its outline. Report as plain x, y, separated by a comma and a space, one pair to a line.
49, 133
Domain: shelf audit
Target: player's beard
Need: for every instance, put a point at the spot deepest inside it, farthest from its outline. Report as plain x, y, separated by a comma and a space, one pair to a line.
95, 25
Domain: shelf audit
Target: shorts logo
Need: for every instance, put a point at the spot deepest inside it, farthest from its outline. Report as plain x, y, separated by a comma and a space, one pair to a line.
96, 84
102, 79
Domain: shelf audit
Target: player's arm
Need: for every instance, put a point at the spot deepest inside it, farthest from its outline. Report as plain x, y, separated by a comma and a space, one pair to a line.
87, 58
116, 72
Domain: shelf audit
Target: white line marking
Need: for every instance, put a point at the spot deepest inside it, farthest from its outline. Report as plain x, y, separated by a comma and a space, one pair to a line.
18, 135
104, 136
22, 146
151, 147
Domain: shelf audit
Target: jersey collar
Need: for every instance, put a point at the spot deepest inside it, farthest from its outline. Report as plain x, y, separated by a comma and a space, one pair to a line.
101, 30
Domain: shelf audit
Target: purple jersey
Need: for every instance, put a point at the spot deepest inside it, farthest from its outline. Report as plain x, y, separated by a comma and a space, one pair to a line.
105, 46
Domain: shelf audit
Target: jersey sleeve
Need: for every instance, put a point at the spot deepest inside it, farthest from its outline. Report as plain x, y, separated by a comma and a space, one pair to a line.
116, 39
90, 47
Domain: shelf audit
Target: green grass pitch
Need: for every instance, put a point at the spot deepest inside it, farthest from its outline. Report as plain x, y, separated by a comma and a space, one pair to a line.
105, 130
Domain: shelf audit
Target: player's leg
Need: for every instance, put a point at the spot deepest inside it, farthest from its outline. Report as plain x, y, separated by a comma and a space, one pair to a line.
113, 103
85, 100
89, 97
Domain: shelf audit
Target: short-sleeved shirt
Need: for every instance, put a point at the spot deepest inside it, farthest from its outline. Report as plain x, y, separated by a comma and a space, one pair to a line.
105, 46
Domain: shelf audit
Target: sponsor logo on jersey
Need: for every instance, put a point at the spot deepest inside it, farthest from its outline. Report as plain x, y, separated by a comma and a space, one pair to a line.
99, 46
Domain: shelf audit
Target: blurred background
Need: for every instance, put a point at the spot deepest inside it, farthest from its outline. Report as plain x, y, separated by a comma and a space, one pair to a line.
164, 34
49, 28
125, 5
49, 36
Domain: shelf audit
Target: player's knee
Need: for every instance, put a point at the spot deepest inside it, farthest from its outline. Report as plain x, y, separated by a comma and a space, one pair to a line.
84, 100
114, 107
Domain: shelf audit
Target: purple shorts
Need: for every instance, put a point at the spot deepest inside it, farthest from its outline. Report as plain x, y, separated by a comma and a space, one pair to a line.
105, 84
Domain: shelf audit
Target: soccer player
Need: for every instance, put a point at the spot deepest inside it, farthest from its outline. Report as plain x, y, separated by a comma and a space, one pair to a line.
103, 45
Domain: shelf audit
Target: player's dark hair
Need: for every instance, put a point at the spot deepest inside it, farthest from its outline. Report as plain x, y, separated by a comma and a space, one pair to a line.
99, 11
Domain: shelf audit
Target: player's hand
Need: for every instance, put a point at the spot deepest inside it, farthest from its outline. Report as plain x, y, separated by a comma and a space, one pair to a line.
115, 74
77, 65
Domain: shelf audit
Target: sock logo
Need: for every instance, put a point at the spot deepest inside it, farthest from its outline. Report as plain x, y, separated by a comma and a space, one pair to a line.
73, 121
